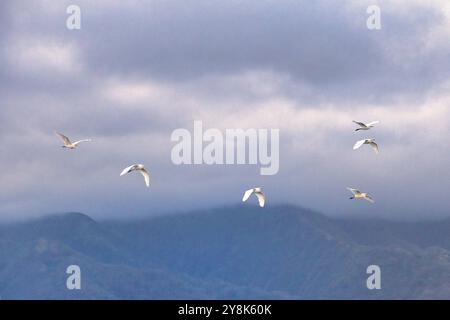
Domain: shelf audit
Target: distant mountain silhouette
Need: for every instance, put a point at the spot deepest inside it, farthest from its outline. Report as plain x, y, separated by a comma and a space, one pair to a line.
241, 252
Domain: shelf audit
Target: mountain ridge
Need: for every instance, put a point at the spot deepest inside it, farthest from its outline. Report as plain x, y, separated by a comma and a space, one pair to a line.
239, 252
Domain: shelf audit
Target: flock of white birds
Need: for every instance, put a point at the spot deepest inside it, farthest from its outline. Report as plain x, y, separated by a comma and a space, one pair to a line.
356, 194
135, 167
371, 142
259, 194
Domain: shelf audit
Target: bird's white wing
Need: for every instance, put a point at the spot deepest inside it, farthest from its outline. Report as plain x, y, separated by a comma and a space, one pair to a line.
369, 198
81, 141
127, 170
362, 125
358, 144
261, 198
354, 191
146, 176
64, 138
374, 147
247, 195
372, 123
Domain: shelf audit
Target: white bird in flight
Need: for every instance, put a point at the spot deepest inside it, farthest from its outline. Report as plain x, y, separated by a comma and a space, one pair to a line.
360, 195
258, 193
365, 126
141, 169
370, 142
68, 144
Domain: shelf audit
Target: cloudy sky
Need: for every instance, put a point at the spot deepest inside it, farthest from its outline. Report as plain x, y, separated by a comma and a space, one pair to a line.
137, 70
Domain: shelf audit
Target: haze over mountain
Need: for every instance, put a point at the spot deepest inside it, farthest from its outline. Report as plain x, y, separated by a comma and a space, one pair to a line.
241, 252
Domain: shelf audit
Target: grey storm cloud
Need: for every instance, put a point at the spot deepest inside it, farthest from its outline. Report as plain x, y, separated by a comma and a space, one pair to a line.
318, 42
322, 44
137, 70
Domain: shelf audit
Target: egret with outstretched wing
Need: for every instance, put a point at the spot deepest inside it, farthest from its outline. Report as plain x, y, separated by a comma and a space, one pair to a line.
360, 195
365, 126
258, 193
370, 142
140, 168
68, 144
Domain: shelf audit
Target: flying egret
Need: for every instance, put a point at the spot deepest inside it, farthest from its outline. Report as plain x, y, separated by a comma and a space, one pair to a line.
360, 195
258, 193
141, 169
365, 126
370, 142
68, 144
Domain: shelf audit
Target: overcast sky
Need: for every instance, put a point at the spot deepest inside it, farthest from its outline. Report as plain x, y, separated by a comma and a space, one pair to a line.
137, 70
